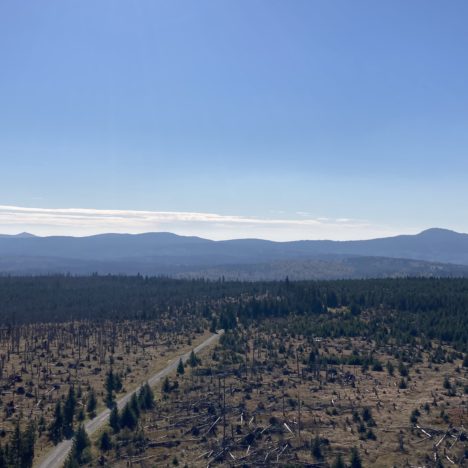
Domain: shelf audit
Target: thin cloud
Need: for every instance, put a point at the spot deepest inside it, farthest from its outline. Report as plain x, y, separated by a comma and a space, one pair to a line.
85, 221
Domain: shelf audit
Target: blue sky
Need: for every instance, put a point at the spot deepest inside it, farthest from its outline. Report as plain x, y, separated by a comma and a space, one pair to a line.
350, 115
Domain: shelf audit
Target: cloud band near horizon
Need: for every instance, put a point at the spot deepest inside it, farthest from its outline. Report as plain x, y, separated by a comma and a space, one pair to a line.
85, 221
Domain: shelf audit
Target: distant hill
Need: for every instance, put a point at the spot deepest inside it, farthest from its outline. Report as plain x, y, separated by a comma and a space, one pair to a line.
20, 235
435, 252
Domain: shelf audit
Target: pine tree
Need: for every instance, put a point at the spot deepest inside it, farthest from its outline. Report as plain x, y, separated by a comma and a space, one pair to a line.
3, 458
390, 368
6, 453
14, 455
338, 463
135, 405
91, 404
81, 415
193, 360
69, 412
180, 368
105, 442
447, 384
117, 383
148, 399
128, 418
78, 454
114, 420
70, 462
109, 399
27, 446
355, 458
80, 443
166, 387
316, 449
109, 386
213, 325
41, 425
56, 427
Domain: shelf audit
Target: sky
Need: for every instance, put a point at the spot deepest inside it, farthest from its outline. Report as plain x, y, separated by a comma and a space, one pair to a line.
234, 118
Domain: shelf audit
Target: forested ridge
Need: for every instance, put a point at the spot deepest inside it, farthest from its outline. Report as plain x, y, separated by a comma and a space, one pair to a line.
406, 308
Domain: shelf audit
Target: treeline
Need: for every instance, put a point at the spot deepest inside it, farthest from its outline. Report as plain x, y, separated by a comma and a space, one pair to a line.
387, 309
410, 307
65, 298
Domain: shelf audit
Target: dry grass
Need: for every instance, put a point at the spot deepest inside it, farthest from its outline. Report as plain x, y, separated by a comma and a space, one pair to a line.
40, 362
270, 412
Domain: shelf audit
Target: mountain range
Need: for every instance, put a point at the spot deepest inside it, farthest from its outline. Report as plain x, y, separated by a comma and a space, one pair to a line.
434, 252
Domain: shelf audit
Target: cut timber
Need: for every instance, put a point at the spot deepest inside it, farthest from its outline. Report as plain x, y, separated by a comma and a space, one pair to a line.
213, 425
288, 428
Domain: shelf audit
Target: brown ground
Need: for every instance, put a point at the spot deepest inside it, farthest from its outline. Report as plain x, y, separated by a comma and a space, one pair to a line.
270, 412
39, 363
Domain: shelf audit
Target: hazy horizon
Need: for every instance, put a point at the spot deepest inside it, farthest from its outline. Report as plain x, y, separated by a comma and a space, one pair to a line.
32, 234
84, 222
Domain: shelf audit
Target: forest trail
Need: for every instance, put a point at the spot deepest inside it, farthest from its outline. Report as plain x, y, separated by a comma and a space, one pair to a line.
57, 455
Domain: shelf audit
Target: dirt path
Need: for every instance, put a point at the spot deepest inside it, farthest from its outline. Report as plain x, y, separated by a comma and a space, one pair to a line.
56, 457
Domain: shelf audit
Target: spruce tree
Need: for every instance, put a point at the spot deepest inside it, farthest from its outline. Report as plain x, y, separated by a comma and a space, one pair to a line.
128, 418
193, 360
3, 458
214, 324
316, 449
78, 454
114, 420
135, 405
80, 443
117, 383
180, 367
16, 443
27, 446
69, 412
56, 427
338, 463
80, 417
166, 387
355, 458
70, 462
109, 386
105, 442
148, 398
91, 404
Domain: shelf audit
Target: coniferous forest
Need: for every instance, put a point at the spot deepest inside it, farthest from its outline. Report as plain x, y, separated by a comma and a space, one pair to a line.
427, 308
306, 373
